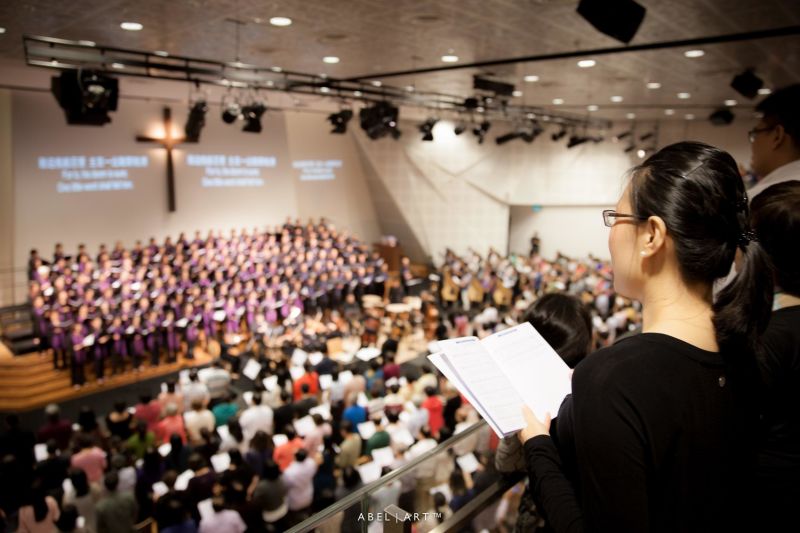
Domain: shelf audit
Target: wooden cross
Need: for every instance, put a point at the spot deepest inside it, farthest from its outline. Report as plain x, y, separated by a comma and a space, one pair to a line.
168, 142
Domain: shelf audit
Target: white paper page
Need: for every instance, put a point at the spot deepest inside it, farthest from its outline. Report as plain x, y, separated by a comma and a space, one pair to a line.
383, 456
182, 480
369, 472
270, 382
325, 381
247, 396
206, 509
368, 354
223, 432
183, 376
221, 462
279, 439
304, 425
296, 372
535, 370
299, 357
345, 377
366, 429
323, 410
251, 369
362, 400
468, 463
164, 449
160, 488
315, 358
439, 362
40, 452
490, 386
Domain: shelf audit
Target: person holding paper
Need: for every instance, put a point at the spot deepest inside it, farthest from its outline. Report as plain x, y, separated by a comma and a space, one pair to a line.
663, 423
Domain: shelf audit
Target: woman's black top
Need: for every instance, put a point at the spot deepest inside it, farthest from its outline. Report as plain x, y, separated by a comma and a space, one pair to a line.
662, 439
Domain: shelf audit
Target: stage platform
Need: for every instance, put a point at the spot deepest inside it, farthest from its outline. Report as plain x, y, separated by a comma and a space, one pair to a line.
30, 382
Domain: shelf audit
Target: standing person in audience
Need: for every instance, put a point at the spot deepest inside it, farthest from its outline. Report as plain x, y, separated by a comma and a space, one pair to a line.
648, 457
217, 380
84, 496
171, 424
298, 479
171, 396
90, 459
223, 520
284, 414
196, 420
56, 428
141, 440
350, 448
433, 404
226, 409
148, 411
305, 403
116, 511
195, 390
775, 141
52, 470
41, 514
257, 417
201, 486
284, 454
776, 221
119, 421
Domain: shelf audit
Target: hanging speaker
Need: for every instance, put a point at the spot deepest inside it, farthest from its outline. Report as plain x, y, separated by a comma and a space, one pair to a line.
619, 19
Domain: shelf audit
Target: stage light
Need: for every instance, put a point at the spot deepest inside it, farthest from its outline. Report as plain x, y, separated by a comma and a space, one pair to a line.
529, 132
694, 53
510, 136
531, 78
252, 116
231, 110
379, 120
630, 148
619, 19
730, 102
339, 120
592, 107
479, 130
684, 96
559, 135
587, 63
131, 26
280, 21
460, 128
449, 58
558, 101
196, 121
330, 60
747, 84
86, 96
653, 85
616, 99
426, 129
641, 153
576, 140
623, 135
646, 136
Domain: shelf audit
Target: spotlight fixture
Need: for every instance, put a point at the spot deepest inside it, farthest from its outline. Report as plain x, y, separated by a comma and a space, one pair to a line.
460, 128
587, 63
576, 140
196, 121
619, 19
280, 21
630, 148
747, 84
559, 135
479, 130
339, 120
623, 135
231, 110
131, 26
252, 115
530, 131
379, 120
646, 136
499, 88
426, 129
85, 96
510, 136
691, 54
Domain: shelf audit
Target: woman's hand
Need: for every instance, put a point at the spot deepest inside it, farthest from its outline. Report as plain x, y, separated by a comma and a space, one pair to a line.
534, 427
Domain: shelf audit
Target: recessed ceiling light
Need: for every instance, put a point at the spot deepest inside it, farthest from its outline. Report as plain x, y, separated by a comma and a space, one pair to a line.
131, 26
84, 43
531, 116
376, 83
669, 111
558, 101
764, 91
324, 89
630, 116
161, 53
653, 85
694, 53
276, 69
616, 99
280, 21
689, 116
731, 102
684, 96
641, 153
331, 60
531, 78
117, 65
357, 93
587, 63
449, 58
410, 88
592, 107
2, 30
516, 94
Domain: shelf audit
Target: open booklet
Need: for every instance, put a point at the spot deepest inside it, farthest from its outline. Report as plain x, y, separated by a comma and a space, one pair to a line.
505, 371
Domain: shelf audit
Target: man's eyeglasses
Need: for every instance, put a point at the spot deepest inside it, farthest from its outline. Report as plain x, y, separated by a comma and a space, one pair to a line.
752, 133
610, 217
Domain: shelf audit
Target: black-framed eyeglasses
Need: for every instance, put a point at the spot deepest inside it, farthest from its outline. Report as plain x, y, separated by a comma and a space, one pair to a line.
610, 217
751, 135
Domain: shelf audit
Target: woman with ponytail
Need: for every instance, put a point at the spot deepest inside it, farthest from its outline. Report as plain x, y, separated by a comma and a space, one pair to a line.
662, 425
40, 515
776, 221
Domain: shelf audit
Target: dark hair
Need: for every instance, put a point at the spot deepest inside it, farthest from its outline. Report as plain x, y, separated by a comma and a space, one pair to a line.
196, 461
351, 477
235, 429
300, 455
781, 107
79, 481
68, 518
271, 470
564, 322
776, 220
111, 480
304, 388
39, 501
261, 441
145, 398
256, 398
697, 191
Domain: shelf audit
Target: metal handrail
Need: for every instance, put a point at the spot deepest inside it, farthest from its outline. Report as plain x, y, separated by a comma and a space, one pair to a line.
358, 496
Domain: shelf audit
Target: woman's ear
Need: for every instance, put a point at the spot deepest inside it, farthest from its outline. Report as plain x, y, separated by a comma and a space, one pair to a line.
654, 236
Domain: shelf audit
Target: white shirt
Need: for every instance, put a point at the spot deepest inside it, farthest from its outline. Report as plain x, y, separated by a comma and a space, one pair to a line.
298, 478
197, 420
788, 172
255, 418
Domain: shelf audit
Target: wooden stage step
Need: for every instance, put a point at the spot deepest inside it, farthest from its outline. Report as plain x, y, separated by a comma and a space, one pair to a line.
30, 382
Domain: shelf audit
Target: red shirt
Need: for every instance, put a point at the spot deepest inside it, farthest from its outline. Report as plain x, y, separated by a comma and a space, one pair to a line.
312, 379
168, 426
435, 409
284, 454
92, 461
149, 413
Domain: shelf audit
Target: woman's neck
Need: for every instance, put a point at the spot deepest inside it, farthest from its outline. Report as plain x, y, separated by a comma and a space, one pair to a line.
783, 300
682, 312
